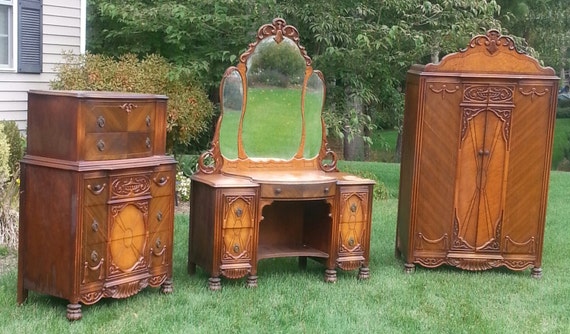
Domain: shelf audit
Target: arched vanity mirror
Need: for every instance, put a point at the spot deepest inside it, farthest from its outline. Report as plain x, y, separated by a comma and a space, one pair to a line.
269, 186
271, 107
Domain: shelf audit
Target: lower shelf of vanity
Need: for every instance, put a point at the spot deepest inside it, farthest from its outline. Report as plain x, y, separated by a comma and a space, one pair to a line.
273, 251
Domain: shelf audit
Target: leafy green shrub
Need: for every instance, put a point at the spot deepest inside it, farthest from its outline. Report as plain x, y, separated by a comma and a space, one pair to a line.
16, 144
563, 112
9, 190
189, 109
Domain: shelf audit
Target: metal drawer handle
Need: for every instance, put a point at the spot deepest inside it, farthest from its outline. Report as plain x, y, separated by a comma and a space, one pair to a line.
239, 212
96, 189
148, 121
95, 226
147, 142
94, 256
159, 216
101, 121
353, 207
277, 191
101, 145
158, 243
236, 248
326, 190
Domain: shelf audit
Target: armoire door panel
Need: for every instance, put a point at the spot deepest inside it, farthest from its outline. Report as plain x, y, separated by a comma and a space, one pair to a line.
437, 147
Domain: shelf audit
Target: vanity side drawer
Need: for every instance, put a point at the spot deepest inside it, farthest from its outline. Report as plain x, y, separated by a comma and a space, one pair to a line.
297, 191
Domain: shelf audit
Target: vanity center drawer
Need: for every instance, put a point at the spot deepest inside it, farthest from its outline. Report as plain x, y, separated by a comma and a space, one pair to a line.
297, 191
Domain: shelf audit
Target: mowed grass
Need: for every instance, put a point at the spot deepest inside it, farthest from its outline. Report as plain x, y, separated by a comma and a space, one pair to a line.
288, 300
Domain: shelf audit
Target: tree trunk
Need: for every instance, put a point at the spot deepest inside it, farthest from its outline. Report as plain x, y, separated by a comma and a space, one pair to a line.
353, 141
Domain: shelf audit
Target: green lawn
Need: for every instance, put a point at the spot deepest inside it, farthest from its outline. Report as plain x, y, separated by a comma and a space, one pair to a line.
443, 300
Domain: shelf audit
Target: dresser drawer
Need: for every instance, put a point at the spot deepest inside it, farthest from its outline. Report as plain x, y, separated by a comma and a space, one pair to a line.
95, 225
295, 191
119, 116
163, 182
96, 191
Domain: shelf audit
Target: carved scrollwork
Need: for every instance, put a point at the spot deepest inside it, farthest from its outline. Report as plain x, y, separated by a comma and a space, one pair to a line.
443, 90
128, 107
91, 297
474, 264
278, 28
430, 262
533, 92
328, 161
126, 290
492, 41
488, 94
209, 162
235, 273
131, 186
157, 280
349, 265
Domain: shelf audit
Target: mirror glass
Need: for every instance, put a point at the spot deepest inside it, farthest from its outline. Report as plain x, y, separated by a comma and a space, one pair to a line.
232, 102
314, 99
272, 123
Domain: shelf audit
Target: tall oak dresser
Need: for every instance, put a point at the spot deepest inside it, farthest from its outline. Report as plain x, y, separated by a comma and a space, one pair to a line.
96, 200
476, 157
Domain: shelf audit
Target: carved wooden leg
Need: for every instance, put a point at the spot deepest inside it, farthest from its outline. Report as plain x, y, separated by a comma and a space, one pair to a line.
302, 262
364, 273
166, 287
536, 272
214, 283
251, 281
409, 268
330, 276
73, 312
191, 268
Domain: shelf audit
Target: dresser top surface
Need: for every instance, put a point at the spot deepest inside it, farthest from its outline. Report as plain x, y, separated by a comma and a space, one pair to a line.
98, 94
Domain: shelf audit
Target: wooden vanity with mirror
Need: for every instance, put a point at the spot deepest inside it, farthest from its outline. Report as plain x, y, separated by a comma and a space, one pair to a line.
269, 186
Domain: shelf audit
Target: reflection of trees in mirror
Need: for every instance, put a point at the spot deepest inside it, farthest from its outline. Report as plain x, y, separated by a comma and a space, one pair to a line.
279, 65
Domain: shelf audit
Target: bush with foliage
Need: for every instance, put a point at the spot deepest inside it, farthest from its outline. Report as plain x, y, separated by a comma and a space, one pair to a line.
189, 109
16, 143
9, 190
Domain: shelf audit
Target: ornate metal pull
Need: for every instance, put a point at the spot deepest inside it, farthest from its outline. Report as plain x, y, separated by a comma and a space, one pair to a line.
148, 121
95, 226
351, 242
236, 248
94, 256
101, 121
481, 152
239, 212
353, 207
147, 142
97, 188
101, 145
159, 216
158, 243
326, 190
277, 191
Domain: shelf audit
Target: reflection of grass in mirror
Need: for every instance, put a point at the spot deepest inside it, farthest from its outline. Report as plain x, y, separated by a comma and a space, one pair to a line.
272, 122
275, 124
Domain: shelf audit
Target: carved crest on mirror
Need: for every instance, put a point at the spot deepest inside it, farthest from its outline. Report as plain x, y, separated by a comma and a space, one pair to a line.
271, 109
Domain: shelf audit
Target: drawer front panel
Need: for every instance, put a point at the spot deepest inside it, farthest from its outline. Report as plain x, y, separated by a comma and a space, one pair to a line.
296, 191
163, 182
139, 144
354, 222
96, 191
161, 214
119, 116
105, 146
95, 224
160, 248
93, 263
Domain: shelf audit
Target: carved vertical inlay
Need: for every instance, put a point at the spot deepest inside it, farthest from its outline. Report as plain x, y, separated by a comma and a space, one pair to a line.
238, 222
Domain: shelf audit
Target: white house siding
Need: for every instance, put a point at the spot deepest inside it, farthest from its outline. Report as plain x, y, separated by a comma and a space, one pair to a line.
63, 30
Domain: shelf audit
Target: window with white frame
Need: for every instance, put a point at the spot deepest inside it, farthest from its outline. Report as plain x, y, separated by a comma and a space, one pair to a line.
6, 36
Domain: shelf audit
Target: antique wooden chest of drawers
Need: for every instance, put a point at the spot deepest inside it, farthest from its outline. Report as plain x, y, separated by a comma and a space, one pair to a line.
97, 194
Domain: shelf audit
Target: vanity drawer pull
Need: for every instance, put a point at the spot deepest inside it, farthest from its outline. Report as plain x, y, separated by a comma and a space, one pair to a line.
101, 145
101, 121
277, 191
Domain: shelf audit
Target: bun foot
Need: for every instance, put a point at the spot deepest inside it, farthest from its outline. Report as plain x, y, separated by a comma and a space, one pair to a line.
536, 272
251, 282
73, 312
409, 268
363, 273
330, 276
214, 283
166, 287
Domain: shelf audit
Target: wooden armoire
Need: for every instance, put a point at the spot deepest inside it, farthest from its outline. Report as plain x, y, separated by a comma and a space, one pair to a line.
96, 197
476, 156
